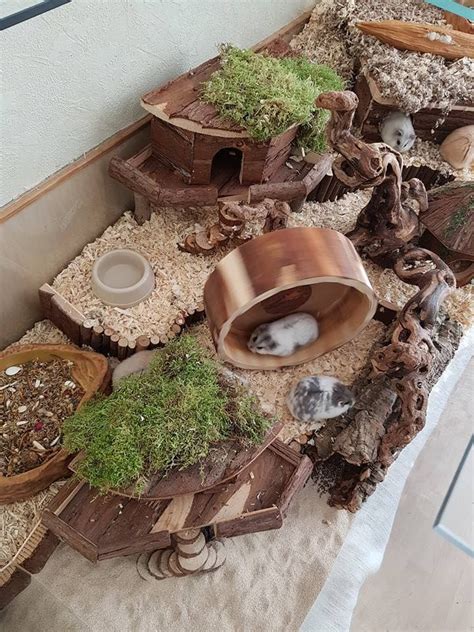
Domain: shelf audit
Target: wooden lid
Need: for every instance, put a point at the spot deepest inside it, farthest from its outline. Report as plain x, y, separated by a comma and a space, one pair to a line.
314, 270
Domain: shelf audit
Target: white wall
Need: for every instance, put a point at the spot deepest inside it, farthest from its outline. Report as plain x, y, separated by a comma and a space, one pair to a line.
73, 76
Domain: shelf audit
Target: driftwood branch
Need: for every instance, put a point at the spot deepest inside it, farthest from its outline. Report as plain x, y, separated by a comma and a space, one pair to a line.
392, 395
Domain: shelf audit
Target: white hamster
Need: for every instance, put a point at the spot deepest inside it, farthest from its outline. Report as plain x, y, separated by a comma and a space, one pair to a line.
398, 132
137, 363
284, 336
319, 397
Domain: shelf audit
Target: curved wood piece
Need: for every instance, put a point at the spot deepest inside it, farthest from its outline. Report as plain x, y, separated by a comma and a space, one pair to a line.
91, 371
389, 220
313, 270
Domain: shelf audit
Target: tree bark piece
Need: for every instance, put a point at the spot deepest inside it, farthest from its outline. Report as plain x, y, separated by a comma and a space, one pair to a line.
418, 37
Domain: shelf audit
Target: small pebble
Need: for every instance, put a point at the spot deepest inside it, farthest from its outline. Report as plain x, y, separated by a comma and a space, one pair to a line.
22, 409
21, 423
69, 384
37, 383
38, 446
12, 370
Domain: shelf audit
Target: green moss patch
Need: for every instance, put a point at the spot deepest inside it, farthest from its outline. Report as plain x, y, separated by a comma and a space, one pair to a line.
267, 95
168, 417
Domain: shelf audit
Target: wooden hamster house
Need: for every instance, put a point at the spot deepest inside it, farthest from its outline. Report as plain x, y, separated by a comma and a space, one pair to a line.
312, 270
196, 158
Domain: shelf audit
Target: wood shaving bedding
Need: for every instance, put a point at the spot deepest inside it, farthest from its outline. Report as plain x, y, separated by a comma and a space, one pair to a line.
412, 80
17, 520
180, 276
272, 387
424, 153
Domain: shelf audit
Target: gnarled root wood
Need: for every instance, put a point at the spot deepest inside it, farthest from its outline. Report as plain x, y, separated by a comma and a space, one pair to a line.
389, 221
232, 217
392, 395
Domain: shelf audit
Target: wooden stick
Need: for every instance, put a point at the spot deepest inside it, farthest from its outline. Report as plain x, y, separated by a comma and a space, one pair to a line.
97, 337
114, 338
122, 348
108, 332
142, 210
86, 331
131, 348
142, 343
155, 341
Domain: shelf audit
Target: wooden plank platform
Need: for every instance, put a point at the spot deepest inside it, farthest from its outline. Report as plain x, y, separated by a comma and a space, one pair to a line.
229, 459
105, 526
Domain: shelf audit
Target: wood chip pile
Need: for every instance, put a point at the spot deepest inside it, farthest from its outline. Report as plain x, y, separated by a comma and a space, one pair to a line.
413, 80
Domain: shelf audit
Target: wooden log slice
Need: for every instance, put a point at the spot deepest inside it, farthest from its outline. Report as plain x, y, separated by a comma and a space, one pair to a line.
187, 536
164, 562
142, 566
193, 548
211, 558
192, 564
221, 555
155, 564
173, 567
315, 270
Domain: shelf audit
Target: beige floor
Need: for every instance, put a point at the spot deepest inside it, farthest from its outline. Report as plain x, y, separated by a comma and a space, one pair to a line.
426, 583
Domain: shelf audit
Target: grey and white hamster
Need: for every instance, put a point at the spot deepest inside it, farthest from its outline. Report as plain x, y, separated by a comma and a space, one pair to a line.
137, 363
284, 336
319, 397
398, 132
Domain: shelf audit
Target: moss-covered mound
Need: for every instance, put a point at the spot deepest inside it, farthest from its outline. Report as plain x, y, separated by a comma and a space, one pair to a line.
167, 417
267, 95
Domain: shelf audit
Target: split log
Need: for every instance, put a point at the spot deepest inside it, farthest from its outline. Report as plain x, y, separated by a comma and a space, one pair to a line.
294, 192
285, 191
142, 184
416, 36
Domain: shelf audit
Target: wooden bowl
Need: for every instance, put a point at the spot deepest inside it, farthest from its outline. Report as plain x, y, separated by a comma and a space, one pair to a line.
314, 270
91, 371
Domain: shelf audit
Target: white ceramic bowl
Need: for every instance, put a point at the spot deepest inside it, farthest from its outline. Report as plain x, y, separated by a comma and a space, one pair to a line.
122, 278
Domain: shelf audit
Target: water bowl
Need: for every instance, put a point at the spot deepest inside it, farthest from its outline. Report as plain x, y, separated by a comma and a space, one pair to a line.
122, 278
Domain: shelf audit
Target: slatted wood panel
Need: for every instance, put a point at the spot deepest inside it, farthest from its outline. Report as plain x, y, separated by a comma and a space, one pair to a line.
107, 526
